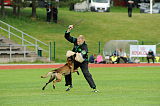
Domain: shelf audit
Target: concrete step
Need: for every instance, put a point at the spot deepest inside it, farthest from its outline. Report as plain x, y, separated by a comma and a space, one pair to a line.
8, 49
17, 54
13, 56
5, 40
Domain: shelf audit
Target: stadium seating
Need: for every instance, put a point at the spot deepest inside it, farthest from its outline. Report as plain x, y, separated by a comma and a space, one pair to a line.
13, 52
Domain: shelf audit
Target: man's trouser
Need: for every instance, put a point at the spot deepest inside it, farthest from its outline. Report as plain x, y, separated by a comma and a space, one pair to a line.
129, 12
55, 18
86, 73
49, 17
150, 58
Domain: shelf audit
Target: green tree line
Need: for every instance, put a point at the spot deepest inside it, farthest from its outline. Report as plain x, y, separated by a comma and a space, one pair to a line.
18, 4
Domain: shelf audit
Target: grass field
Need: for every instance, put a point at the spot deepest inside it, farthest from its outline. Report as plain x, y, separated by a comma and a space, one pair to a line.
125, 86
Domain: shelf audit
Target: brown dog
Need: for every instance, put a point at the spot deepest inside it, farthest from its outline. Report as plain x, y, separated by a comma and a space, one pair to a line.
56, 75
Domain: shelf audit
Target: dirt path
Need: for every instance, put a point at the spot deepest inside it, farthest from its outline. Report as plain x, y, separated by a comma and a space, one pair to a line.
45, 66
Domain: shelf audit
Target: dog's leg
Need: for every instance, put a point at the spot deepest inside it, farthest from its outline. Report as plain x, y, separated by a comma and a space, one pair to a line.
54, 81
54, 85
76, 70
46, 75
58, 77
50, 80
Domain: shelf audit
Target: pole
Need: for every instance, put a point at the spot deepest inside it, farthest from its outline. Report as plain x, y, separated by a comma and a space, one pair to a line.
151, 3
9, 32
143, 57
99, 47
50, 45
54, 50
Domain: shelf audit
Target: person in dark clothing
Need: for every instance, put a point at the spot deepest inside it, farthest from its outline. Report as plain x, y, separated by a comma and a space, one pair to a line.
49, 12
81, 48
55, 14
116, 53
150, 55
92, 58
130, 6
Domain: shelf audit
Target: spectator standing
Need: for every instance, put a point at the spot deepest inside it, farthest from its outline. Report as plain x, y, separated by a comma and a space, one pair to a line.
49, 12
55, 14
130, 6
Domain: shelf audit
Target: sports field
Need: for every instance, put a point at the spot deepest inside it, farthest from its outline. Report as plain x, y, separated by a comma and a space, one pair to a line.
119, 86
96, 27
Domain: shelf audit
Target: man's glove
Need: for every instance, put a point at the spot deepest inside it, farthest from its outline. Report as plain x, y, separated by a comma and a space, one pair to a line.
70, 27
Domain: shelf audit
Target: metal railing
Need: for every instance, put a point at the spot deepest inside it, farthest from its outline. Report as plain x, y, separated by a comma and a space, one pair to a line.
30, 41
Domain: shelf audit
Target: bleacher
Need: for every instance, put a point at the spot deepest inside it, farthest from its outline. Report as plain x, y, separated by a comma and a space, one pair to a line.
26, 48
13, 52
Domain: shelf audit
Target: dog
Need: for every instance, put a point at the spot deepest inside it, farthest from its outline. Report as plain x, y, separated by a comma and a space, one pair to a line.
56, 75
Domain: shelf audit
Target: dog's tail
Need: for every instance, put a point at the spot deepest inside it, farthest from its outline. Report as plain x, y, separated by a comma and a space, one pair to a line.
48, 74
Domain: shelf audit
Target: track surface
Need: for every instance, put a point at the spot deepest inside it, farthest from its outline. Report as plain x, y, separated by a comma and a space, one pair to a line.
44, 66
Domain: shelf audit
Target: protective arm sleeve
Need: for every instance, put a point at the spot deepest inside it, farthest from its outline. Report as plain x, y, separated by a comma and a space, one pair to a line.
70, 38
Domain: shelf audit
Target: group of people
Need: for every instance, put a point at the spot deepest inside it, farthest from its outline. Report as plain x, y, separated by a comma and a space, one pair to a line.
121, 55
116, 56
52, 12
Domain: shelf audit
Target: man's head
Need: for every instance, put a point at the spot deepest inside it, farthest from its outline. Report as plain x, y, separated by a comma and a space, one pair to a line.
80, 39
130, 1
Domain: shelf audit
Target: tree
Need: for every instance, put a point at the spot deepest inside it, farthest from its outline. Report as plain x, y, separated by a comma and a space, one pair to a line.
34, 8
14, 7
2, 8
19, 7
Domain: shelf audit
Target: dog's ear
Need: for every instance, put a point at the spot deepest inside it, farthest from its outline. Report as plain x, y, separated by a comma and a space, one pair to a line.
69, 59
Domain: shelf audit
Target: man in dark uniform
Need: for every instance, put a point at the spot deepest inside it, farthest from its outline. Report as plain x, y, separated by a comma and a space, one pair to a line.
81, 48
150, 55
55, 14
49, 12
130, 5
